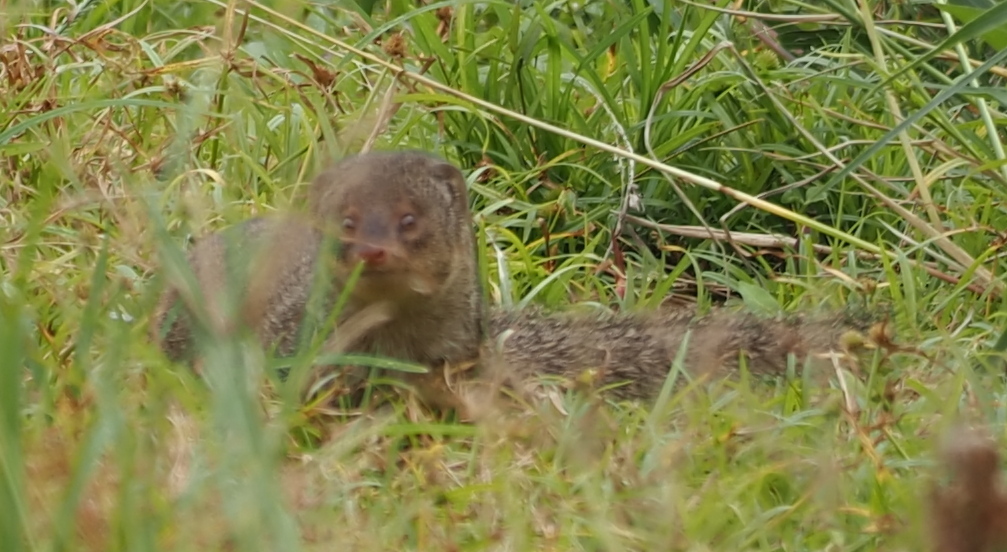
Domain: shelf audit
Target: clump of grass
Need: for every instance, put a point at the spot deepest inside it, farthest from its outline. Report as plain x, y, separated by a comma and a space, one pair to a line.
130, 127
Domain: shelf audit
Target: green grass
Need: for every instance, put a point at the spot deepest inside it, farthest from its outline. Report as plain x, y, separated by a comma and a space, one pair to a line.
128, 127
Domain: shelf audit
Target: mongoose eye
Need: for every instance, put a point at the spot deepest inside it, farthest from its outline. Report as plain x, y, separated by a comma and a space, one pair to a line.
407, 222
348, 224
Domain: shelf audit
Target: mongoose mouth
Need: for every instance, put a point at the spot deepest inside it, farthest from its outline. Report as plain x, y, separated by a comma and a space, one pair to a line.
346, 268
382, 283
375, 271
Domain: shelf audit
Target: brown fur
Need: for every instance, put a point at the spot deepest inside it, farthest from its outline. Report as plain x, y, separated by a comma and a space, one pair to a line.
427, 288
637, 350
428, 295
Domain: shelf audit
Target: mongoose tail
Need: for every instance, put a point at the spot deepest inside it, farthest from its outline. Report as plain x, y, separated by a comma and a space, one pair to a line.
637, 349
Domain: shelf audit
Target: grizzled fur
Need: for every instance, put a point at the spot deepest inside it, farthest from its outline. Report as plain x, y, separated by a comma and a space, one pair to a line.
222, 264
635, 351
261, 273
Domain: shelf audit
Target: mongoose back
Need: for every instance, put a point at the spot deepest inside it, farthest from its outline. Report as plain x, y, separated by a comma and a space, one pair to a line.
404, 216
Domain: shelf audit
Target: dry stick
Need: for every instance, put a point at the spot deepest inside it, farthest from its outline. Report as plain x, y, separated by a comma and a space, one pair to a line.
747, 238
960, 255
780, 242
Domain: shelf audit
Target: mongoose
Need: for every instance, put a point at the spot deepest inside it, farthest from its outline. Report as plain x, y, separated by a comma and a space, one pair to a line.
405, 217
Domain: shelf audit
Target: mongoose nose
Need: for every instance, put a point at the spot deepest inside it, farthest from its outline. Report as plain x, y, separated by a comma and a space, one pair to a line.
372, 255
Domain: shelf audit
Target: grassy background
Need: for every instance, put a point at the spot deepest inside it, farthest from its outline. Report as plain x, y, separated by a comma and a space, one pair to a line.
129, 127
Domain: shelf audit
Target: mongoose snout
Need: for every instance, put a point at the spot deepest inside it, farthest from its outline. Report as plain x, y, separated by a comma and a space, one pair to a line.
377, 238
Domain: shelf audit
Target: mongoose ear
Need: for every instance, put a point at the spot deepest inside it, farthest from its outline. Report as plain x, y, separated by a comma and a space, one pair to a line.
452, 177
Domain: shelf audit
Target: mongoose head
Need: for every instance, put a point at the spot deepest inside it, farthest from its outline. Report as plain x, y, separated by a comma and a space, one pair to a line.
404, 216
